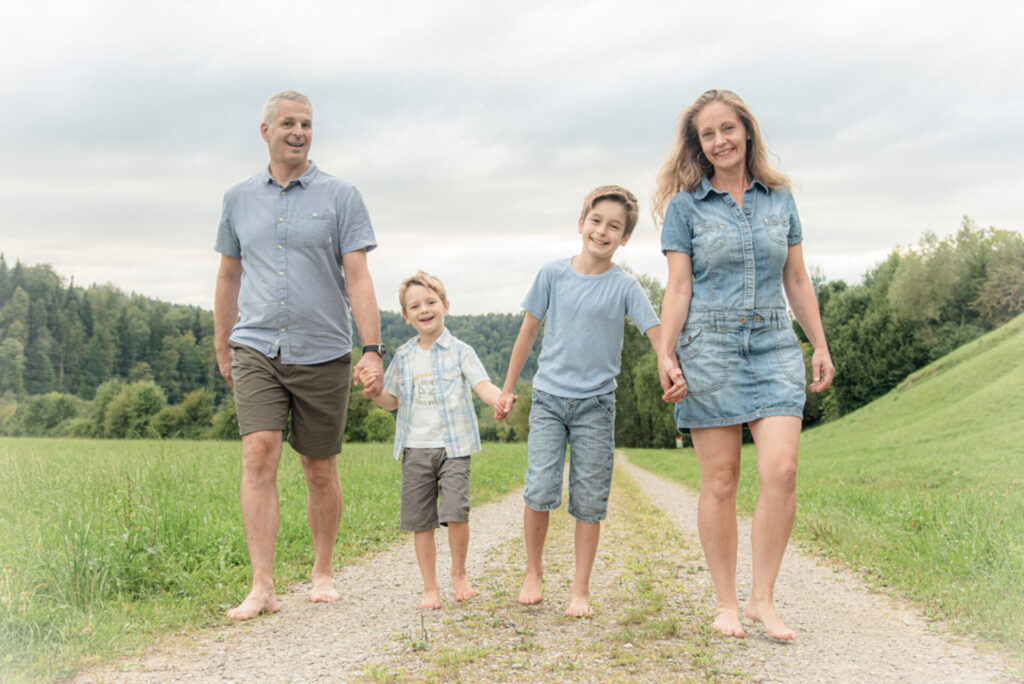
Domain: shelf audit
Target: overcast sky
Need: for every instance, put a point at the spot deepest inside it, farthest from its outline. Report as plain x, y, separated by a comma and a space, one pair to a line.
474, 129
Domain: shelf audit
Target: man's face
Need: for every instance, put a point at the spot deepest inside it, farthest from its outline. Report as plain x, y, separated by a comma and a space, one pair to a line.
290, 133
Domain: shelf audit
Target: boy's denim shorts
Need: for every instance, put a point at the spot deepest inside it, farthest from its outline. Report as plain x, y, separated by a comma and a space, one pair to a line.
588, 426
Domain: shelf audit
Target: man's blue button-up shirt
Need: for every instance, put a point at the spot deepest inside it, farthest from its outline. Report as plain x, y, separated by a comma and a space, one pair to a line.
293, 299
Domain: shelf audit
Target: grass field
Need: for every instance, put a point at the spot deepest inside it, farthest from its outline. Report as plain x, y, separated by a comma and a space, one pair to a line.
921, 490
108, 544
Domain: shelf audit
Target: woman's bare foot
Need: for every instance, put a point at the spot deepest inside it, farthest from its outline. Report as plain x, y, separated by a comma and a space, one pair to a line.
773, 624
463, 590
579, 605
727, 623
255, 603
323, 590
431, 600
530, 594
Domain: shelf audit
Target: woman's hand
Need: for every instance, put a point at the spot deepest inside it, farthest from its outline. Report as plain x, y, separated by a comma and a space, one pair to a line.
672, 381
822, 370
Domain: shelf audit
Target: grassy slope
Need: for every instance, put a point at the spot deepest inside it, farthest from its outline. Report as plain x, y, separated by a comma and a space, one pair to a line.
923, 489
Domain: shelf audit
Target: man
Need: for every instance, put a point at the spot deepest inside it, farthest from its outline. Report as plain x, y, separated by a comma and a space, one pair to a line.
293, 243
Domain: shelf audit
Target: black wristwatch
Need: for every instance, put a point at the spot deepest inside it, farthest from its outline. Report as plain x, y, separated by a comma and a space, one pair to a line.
379, 348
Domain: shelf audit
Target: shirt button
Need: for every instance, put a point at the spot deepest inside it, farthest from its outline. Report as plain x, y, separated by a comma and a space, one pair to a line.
282, 192
280, 273
280, 218
280, 246
282, 302
282, 329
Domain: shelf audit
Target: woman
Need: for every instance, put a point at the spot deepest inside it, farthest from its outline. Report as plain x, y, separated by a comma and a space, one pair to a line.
731, 234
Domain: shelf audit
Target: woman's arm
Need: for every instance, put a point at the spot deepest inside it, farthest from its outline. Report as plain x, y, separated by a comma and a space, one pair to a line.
803, 301
674, 309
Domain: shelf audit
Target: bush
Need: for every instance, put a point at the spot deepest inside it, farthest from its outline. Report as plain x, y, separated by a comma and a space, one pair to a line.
225, 420
379, 425
130, 413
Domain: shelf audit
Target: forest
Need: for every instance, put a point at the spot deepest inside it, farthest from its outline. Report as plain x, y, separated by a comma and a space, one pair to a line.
97, 362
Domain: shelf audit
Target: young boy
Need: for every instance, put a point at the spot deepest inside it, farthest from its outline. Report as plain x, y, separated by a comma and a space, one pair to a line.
585, 300
430, 381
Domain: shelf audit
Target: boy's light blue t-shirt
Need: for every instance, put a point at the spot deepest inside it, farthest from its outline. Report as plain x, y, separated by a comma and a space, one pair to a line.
583, 326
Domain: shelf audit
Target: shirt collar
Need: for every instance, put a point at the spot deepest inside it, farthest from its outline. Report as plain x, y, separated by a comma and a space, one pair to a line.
706, 187
445, 340
302, 180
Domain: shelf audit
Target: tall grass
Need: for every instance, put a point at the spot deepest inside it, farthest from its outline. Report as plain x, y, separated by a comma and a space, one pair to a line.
922, 490
106, 544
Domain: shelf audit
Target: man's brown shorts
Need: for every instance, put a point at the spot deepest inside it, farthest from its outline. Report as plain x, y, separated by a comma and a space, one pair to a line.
266, 390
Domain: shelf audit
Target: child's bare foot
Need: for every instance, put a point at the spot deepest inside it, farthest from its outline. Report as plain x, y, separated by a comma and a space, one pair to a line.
727, 623
766, 614
579, 605
323, 590
530, 594
431, 600
255, 603
463, 590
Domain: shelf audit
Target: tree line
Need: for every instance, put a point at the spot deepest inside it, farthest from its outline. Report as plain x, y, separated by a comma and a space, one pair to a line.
96, 362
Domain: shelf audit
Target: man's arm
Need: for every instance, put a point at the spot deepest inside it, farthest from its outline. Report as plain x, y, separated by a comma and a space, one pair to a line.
367, 319
225, 312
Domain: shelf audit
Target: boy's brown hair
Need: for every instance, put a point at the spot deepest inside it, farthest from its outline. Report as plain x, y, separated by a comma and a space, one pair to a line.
616, 193
423, 279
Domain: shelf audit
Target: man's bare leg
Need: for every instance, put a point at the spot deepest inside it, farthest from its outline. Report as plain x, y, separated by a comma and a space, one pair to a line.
778, 440
535, 531
261, 454
718, 451
458, 544
586, 538
323, 508
426, 558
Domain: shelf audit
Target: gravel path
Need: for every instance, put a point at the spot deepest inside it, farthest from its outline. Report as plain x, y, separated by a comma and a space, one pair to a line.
650, 591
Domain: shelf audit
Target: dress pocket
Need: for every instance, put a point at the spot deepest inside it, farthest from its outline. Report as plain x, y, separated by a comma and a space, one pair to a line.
708, 237
790, 356
777, 228
703, 360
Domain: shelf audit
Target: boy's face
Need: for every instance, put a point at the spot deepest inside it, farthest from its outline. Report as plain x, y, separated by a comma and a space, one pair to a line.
603, 229
424, 310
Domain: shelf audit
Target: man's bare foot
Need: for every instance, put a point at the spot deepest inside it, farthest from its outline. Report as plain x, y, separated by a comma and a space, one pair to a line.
323, 590
431, 600
463, 591
530, 594
727, 623
579, 605
769, 617
255, 603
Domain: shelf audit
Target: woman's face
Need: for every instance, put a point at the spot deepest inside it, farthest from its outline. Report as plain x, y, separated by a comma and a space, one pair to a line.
723, 137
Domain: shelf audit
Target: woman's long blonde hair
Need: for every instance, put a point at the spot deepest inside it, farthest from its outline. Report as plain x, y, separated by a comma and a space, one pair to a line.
687, 165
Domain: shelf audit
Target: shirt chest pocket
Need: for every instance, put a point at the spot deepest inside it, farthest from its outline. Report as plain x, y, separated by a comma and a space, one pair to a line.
451, 380
777, 228
708, 237
312, 230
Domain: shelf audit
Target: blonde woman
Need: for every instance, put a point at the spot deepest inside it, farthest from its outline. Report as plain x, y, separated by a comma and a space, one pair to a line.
731, 234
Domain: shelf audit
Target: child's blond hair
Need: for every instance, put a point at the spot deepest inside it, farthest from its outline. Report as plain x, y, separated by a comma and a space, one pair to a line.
616, 193
423, 279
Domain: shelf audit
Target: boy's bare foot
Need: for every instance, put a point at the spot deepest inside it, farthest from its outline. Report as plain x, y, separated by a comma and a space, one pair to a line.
463, 591
769, 617
727, 623
579, 605
255, 603
530, 594
431, 600
323, 590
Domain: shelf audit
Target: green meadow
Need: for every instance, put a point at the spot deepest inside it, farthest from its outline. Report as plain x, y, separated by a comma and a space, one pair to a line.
922, 491
107, 545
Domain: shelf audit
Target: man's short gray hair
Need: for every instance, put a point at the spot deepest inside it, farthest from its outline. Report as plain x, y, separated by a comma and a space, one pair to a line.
270, 106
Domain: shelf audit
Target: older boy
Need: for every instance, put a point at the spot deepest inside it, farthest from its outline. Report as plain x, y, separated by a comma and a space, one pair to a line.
585, 299
430, 381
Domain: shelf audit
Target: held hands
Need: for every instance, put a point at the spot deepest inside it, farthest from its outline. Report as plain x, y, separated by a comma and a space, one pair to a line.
503, 406
822, 370
369, 373
672, 381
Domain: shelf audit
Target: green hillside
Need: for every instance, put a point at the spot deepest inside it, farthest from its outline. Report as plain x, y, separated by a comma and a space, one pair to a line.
922, 490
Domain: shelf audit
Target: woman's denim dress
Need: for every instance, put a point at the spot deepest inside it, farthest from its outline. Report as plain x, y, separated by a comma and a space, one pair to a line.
738, 350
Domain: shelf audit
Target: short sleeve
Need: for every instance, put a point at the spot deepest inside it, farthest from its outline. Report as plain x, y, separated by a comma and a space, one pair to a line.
638, 307
472, 369
539, 296
676, 233
227, 240
393, 377
354, 227
796, 231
